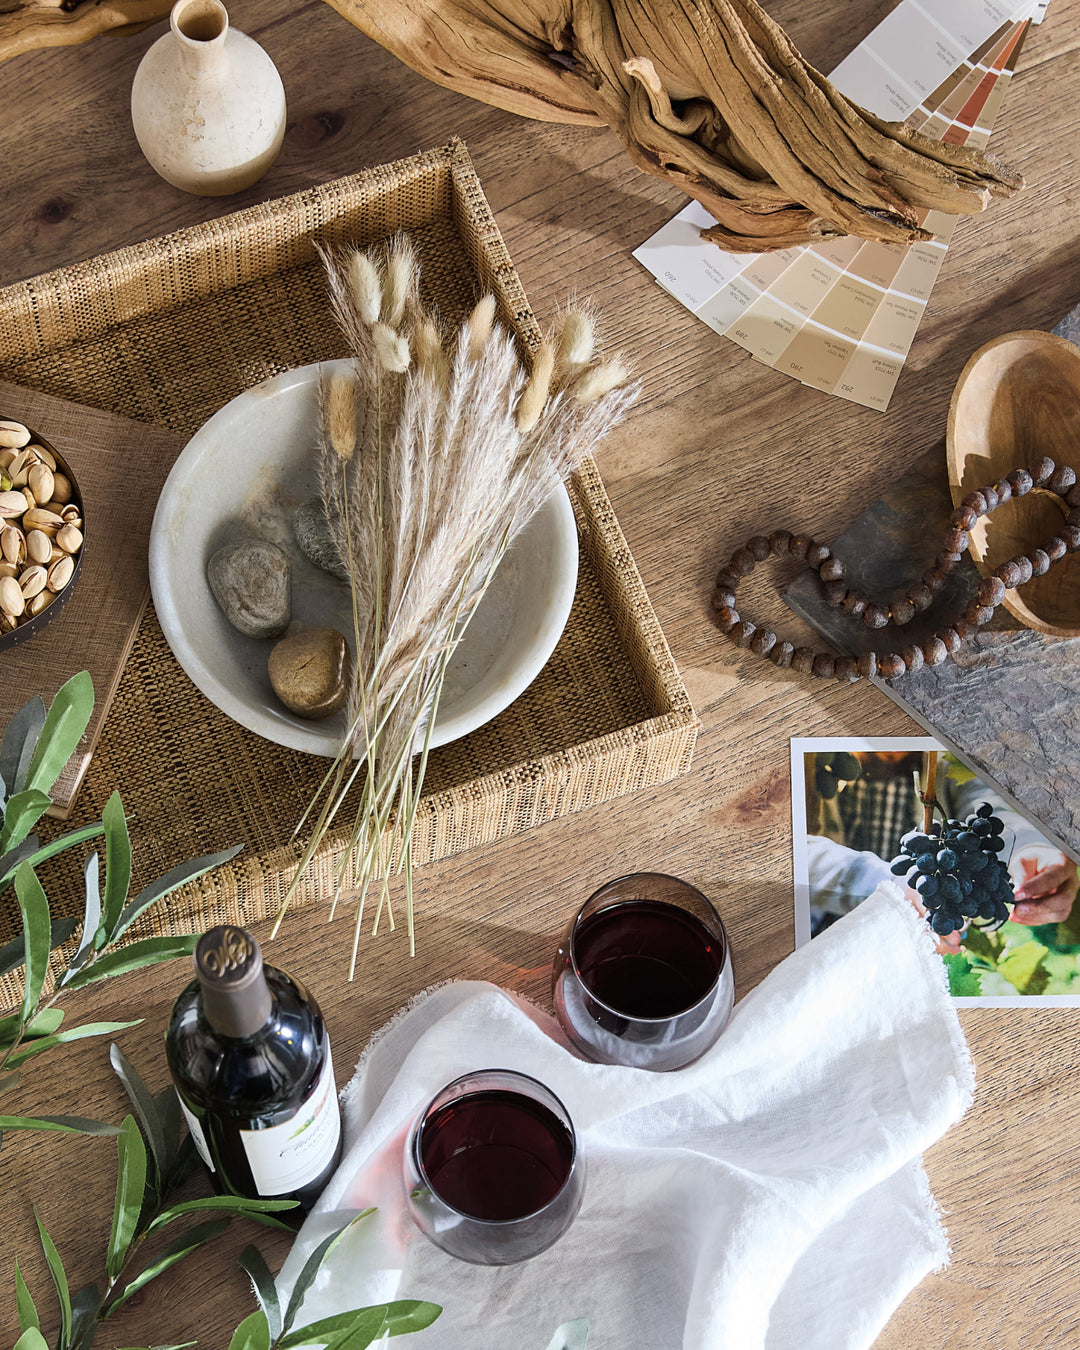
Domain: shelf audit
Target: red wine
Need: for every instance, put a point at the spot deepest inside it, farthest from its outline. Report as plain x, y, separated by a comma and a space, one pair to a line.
250, 1061
496, 1155
647, 959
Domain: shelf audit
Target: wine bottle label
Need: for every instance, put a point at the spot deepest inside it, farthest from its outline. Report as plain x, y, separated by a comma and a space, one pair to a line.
295, 1152
196, 1131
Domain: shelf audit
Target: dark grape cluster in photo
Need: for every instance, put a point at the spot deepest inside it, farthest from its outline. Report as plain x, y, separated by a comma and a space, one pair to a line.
957, 870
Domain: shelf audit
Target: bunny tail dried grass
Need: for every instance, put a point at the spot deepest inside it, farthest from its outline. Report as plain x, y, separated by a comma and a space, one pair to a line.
454, 447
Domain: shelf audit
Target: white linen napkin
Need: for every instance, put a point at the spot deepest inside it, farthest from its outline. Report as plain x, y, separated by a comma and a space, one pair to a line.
769, 1196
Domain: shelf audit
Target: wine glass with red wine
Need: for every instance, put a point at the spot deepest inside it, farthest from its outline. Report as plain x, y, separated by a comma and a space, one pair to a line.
493, 1172
643, 976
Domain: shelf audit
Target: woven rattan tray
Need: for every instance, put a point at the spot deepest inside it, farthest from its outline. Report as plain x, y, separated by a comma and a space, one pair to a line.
167, 332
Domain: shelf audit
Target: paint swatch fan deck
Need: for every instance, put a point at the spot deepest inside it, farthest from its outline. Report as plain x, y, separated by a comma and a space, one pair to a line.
840, 316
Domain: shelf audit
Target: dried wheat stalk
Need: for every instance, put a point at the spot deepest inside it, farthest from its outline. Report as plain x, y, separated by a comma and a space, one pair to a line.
435, 453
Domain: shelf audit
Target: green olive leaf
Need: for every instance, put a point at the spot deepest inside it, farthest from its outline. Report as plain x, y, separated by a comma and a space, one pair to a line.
253, 1333
136, 956
117, 869
130, 1189
36, 933
59, 1276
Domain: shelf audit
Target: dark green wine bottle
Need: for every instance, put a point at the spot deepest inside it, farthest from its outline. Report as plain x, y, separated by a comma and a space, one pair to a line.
250, 1061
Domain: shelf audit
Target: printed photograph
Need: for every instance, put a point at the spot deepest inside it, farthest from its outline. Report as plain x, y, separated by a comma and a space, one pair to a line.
999, 897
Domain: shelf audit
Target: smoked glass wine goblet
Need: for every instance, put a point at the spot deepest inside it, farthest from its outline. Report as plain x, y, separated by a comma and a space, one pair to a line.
493, 1171
643, 976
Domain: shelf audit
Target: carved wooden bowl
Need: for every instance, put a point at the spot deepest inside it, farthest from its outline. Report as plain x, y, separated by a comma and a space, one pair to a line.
1016, 400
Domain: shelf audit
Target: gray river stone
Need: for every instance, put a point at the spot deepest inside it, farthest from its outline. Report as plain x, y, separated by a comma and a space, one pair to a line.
250, 582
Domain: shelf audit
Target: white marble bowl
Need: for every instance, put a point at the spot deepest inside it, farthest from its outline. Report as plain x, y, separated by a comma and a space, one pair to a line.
240, 477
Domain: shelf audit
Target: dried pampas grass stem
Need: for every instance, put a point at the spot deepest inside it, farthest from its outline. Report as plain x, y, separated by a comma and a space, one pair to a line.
435, 452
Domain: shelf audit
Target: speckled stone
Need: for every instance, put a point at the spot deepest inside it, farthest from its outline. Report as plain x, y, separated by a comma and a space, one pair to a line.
250, 582
310, 672
314, 539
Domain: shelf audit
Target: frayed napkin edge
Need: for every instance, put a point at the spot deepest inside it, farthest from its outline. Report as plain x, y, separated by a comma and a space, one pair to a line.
938, 976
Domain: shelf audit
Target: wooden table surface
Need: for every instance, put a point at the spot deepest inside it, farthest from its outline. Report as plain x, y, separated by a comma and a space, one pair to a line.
720, 448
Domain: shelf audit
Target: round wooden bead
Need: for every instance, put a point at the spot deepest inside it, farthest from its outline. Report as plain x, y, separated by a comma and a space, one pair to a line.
1041, 471
979, 614
965, 627
853, 604
1020, 481
824, 666
1004, 491
832, 569
976, 501
763, 641
1056, 549
741, 562
991, 499
781, 655
834, 593
1040, 563
934, 579
727, 580
913, 657
742, 632
1071, 535
991, 591
780, 543
722, 599
934, 651
891, 665
951, 638
802, 660
956, 541
875, 615
727, 618
1062, 479
902, 611
946, 560
817, 554
868, 664
922, 597
1010, 573
847, 669
800, 544
759, 547
1024, 564
964, 517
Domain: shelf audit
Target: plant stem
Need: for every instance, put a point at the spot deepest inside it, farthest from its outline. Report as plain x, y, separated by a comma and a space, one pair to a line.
929, 793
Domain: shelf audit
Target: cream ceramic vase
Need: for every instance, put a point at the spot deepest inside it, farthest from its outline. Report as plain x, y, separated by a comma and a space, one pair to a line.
207, 103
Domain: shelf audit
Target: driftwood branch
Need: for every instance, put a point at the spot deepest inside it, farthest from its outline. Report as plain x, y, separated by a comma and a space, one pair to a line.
710, 95
26, 24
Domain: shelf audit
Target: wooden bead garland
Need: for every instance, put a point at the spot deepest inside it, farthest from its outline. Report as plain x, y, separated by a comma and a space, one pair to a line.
827, 665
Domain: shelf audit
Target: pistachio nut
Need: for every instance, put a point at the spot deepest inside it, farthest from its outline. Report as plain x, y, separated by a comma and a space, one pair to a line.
38, 546
61, 488
69, 538
9, 569
45, 456
61, 572
12, 504
39, 602
41, 482
71, 515
12, 601
37, 518
13, 433
32, 581
12, 544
